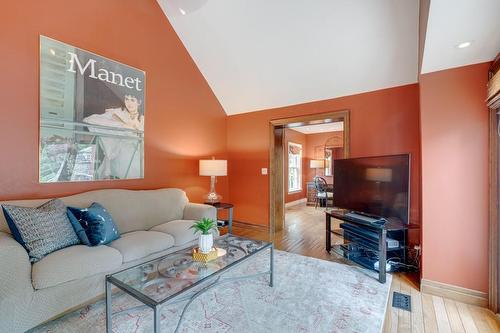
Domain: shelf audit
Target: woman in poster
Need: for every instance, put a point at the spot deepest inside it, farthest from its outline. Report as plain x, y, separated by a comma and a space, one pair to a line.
122, 156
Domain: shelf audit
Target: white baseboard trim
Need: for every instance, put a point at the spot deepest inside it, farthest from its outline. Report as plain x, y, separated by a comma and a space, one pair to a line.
464, 295
296, 202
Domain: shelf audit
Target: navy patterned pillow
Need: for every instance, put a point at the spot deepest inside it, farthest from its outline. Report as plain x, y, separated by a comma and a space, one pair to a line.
97, 223
41, 230
78, 228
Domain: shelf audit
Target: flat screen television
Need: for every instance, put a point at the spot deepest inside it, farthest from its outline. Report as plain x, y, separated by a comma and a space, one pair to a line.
373, 185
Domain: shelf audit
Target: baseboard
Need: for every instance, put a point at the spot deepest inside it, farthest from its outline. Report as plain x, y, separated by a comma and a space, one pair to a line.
456, 293
247, 225
296, 202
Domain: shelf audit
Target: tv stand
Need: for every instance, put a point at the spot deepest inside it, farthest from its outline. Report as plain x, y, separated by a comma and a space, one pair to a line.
368, 234
365, 217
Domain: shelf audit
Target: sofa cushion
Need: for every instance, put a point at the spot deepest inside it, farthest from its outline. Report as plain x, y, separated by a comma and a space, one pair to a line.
73, 263
97, 223
139, 244
42, 229
180, 230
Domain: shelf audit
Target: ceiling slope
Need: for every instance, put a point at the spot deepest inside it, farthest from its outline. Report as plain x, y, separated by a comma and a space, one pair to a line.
452, 22
261, 54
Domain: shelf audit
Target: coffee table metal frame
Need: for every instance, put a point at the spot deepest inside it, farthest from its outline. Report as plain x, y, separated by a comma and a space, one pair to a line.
215, 279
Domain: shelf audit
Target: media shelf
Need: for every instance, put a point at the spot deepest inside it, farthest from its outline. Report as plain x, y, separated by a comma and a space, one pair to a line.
366, 243
365, 262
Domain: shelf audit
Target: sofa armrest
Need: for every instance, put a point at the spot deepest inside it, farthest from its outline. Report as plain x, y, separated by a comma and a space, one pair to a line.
195, 211
15, 268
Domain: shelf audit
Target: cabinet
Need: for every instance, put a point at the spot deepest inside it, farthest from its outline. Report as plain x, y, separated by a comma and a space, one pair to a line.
311, 193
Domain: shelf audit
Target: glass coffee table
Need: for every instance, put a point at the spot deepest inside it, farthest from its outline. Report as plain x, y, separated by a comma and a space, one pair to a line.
174, 277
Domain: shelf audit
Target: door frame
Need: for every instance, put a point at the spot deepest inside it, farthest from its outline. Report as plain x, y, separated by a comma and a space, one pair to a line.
277, 154
493, 102
493, 217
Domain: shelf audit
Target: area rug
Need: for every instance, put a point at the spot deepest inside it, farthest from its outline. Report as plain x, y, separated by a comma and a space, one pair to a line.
309, 295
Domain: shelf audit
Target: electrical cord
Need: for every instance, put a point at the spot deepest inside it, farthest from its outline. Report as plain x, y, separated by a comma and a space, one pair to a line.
413, 259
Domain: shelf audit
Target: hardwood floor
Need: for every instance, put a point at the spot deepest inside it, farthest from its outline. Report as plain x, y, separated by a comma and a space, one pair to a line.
304, 234
435, 314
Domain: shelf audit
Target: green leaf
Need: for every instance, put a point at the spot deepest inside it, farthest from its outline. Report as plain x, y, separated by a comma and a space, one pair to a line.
204, 226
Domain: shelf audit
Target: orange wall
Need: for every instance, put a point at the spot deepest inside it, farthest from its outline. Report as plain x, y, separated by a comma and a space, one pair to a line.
454, 124
184, 120
300, 138
313, 142
382, 122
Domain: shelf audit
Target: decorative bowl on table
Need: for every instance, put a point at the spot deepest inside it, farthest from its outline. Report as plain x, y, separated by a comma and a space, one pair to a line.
213, 254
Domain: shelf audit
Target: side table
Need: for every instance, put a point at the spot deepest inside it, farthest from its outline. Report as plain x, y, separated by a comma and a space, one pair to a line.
221, 206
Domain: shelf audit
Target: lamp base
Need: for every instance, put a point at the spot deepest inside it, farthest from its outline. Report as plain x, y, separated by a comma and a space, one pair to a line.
212, 197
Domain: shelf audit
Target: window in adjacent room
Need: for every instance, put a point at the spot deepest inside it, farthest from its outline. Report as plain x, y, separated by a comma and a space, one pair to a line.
294, 167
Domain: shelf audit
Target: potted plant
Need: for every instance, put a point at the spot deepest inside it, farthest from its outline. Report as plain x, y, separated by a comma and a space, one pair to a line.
204, 226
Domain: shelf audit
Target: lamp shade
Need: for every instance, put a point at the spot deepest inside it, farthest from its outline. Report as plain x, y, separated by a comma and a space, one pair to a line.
316, 164
213, 168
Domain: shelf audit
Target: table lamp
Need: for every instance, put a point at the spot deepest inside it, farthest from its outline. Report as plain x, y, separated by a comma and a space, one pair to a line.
316, 164
213, 168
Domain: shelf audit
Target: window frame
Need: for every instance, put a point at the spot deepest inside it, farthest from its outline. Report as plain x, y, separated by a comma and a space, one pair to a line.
299, 171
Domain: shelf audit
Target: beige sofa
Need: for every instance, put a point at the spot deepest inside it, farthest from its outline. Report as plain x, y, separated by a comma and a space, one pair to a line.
152, 223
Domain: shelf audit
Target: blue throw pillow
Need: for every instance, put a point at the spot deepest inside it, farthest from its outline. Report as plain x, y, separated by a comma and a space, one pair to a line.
41, 230
13, 228
80, 232
97, 223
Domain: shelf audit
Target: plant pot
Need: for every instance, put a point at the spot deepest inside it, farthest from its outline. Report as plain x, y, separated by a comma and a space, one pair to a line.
205, 243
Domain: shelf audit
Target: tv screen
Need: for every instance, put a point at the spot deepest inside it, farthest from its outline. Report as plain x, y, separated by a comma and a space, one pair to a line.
374, 185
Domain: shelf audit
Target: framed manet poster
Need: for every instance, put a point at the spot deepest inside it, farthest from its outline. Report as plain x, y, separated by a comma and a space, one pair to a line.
92, 113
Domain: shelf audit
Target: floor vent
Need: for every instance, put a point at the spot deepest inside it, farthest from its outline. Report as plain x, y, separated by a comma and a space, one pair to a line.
401, 301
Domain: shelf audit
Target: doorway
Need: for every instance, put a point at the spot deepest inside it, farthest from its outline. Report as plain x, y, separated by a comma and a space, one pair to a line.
283, 163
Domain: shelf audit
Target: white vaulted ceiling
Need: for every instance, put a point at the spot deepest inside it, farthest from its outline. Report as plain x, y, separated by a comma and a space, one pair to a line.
452, 22
261, 54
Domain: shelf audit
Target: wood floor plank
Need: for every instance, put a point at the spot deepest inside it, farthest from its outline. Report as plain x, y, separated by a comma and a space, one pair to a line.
453, 316
388, 313
417, 315
430, 323
404, 317
441, 315
480, 319
393, 312
490, 319
466, 317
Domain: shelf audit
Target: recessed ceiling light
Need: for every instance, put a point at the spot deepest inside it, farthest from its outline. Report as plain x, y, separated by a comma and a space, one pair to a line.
464, 45
183, 7
52, 52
